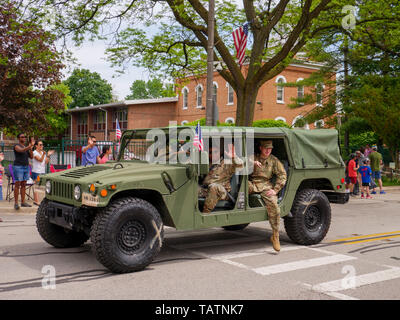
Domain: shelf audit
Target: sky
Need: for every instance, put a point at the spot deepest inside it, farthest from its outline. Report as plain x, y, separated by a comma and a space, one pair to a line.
91, 56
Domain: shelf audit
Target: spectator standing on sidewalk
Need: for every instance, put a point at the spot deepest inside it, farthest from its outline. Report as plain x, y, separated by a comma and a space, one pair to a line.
21, 168
366, 173
352, 171
367, 150
376, 161
90, 153
40, 159
104, 157
1, 178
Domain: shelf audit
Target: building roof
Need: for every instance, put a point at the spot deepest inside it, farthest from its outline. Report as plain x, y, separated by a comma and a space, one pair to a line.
124, 103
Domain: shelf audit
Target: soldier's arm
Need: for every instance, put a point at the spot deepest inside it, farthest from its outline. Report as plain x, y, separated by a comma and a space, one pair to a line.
280, 176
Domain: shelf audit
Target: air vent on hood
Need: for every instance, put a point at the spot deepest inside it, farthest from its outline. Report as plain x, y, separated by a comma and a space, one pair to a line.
84, 171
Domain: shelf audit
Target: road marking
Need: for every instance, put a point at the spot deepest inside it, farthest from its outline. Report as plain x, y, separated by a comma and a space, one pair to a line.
365, 236
375, 239
336, 295
359, 281
216, 243
302, 264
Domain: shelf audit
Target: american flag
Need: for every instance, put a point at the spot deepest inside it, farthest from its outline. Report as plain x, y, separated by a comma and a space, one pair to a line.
198, 139
240, 41
118, 132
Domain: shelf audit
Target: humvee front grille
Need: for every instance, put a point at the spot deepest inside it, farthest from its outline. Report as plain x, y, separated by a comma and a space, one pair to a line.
62, 190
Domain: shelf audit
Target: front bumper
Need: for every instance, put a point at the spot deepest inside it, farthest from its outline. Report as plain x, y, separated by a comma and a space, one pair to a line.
337, 197
63, 215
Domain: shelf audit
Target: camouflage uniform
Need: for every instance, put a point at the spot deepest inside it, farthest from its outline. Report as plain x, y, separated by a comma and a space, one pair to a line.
260, 182
217, 183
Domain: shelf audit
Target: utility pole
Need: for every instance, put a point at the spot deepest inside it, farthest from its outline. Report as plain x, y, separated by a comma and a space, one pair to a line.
210, 119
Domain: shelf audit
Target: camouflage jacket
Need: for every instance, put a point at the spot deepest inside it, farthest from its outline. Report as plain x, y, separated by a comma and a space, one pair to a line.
262, 177
222, 172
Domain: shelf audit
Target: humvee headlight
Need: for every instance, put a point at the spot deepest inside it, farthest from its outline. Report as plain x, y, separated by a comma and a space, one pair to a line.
77, 192
48, 186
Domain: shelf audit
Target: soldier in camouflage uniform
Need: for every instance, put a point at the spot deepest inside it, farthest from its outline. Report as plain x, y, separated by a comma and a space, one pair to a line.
265, 167
217, 183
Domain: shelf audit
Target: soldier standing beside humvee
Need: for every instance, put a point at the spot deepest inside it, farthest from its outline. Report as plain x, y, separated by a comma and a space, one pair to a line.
265, 166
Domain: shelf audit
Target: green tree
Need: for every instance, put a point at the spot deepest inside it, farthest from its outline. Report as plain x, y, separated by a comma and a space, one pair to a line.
88, 88
278, 29
153, 88
29, 66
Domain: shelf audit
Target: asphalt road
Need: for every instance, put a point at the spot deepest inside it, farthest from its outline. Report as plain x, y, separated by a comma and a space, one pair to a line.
359, 259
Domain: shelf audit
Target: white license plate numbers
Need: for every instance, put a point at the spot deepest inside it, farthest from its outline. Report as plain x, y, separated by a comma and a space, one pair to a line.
90, 200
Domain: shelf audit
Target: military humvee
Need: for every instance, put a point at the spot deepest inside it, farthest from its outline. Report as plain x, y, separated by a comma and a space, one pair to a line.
123, 205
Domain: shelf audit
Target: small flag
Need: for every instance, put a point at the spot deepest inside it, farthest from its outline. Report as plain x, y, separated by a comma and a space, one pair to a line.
198, 139
118, 132
240, 41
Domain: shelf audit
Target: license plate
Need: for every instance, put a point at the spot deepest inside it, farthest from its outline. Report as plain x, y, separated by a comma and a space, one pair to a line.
89, 200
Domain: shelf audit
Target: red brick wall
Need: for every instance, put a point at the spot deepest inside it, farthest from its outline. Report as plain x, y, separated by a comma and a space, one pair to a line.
151, 115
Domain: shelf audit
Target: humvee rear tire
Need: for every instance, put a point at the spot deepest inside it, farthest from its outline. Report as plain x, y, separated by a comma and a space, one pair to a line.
127, 235
236, 227
311, 219
54, 235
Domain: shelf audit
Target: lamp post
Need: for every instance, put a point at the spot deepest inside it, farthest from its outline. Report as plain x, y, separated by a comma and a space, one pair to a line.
210, 119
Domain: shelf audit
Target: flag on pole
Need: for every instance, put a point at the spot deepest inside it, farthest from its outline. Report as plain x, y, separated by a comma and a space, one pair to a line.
198, 139
118, 132
240, 41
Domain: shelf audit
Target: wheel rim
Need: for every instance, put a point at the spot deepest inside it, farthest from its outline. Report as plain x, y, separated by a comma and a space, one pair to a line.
313, 219
131, 237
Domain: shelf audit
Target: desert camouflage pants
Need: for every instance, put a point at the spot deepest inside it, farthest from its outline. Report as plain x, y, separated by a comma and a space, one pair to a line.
213, 194
271, 205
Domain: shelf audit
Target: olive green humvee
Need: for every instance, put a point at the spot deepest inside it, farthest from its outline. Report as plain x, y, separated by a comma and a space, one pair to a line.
123, 205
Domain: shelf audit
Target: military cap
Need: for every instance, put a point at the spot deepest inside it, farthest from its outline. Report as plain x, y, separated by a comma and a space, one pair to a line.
266, 144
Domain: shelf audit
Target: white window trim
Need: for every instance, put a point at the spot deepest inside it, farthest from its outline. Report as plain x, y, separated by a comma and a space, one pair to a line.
307, 127
280, 118
323, 123
184, 122
233, 102
197, 95
283, 90
229, 119
183, 98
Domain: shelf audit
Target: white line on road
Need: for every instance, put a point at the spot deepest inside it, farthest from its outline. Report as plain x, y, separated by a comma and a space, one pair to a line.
186, 246
359, 281
302, 264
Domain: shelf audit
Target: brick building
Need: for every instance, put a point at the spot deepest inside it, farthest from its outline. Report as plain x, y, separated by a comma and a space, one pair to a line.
189, 105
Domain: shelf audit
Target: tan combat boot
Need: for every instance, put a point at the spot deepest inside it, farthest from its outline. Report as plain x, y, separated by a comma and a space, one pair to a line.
275, 241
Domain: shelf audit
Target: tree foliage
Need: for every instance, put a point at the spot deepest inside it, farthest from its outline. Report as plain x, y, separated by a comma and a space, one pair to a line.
153, 88
278, 29
88, 88
29, 66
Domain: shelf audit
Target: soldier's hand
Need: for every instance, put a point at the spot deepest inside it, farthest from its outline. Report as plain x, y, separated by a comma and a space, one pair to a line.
231, 151
271, 192
258, 164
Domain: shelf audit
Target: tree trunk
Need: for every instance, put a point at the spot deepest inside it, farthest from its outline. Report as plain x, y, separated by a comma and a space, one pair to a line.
246, 99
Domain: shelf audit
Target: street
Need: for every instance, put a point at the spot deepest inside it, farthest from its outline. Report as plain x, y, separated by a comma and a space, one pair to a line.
358, 259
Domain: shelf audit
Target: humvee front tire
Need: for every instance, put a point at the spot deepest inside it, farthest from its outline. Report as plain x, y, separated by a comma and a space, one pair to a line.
54, 235
127, 235
311, 219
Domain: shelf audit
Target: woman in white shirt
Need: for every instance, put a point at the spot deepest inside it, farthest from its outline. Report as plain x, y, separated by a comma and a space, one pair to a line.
40, 159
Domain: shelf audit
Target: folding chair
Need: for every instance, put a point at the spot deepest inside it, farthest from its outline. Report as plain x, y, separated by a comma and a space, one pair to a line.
11, 184
59, 167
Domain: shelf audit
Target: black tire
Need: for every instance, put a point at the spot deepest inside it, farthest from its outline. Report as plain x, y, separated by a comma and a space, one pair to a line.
236, 227
54, 235
311, 219
127, 235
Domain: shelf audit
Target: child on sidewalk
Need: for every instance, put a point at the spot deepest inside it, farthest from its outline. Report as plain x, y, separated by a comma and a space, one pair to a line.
366, 174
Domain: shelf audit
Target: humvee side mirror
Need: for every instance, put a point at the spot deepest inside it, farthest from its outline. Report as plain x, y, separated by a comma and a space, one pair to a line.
203, 163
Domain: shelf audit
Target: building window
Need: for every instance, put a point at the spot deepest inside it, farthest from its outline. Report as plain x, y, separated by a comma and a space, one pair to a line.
300, 92
319, 124
280, 119
230, 93
215, 89
280, 91
300, 122
230, 120
199, 96
122, 115
184, 122
319, 90
185, 93
82, 126
99, 120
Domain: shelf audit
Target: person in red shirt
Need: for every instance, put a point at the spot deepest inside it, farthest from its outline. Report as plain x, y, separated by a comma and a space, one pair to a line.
352, 171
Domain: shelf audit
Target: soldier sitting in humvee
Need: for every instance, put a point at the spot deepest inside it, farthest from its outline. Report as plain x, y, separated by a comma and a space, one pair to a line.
265, 166
216, 184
